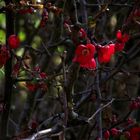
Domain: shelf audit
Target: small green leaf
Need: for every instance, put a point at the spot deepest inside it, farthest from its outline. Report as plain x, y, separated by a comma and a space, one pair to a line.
2, 37
22, 35
60, 49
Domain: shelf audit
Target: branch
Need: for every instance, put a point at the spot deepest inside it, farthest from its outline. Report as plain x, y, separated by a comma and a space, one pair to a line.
57, 130
100, 109
112, 4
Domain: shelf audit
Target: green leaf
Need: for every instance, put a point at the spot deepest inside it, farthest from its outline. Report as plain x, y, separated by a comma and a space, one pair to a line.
37, 23
2, 37
2, 20
22, 35
60, 49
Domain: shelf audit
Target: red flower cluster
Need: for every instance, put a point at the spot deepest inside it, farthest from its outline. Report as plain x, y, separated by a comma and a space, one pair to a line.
105, 53
4, 55
121, 40
84, 56
36, 84
114, 132
13, 41
135, 133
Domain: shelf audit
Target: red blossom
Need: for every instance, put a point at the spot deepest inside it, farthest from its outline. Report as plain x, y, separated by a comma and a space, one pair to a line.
43, 75
13, 41
37, 69
137, 13
105, 53
84, 56
82, 33
31, 86
121, 40
134, 105
114, 132
135, 133
119, 46
130, 121
119, 35
90, 64
106, 135
4, 55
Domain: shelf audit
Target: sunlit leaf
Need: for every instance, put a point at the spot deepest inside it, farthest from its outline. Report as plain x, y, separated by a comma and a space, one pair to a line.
2, 37
22, 35
60, 49
2, 20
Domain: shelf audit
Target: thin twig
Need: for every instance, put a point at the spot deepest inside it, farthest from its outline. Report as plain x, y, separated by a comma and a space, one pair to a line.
100, 109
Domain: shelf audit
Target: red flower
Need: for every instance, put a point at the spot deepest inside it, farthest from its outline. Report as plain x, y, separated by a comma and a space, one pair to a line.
137, 13
13, 41
31, 86
37, 69
84, 56
91, 64
107, 135
135, 133
82, 33
134, 105
130, 121
114, 132
119, 46
105, 53
121, 40
43, 75
4, 55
